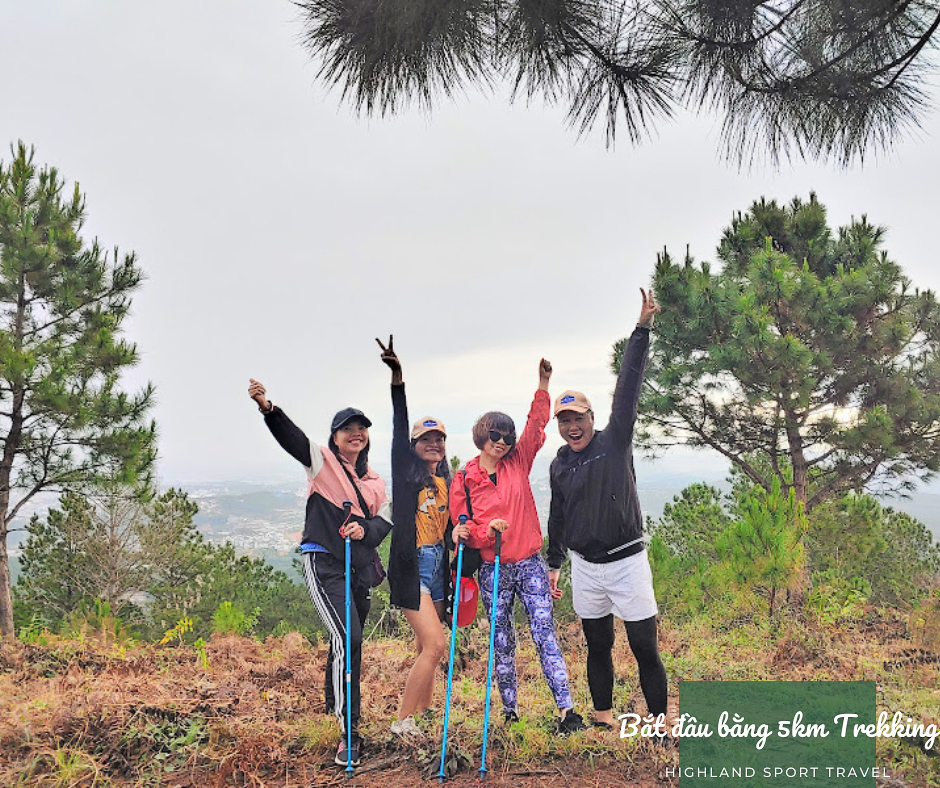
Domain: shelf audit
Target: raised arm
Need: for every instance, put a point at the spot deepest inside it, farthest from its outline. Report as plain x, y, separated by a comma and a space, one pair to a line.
533, 436
290, 437
632, 367
401, 435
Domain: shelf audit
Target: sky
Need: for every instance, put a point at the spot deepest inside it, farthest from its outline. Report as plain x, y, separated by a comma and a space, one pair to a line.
280, 232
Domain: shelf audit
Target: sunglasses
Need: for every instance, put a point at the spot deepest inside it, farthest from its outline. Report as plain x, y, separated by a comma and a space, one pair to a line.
507, 437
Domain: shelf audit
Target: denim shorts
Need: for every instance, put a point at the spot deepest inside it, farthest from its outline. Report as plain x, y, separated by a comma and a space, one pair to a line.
431, 571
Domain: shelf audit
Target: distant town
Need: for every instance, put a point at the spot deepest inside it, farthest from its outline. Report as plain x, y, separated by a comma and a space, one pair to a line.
265, 519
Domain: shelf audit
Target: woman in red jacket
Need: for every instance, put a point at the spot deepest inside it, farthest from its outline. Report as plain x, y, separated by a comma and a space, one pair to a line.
494, 492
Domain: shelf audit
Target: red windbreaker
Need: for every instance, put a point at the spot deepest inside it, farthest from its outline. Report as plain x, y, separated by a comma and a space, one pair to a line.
511, 498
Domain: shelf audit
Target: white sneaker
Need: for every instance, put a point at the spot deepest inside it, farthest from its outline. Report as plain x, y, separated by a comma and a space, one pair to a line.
407, 728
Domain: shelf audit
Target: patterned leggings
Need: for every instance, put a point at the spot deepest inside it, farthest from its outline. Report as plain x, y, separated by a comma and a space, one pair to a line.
529, 579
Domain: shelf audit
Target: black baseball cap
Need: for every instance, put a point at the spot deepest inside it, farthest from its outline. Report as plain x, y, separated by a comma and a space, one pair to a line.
346, 415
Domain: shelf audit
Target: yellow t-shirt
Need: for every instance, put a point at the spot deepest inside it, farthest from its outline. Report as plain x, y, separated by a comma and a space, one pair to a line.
431, 517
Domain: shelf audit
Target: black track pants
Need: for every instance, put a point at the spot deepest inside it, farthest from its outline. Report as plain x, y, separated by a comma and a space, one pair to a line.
326, 582
641, 635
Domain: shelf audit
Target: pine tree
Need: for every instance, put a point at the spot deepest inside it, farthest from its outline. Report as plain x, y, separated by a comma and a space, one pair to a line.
64, 421
808, 358
54, 564
682, 549
106, 545
855, 542
764, 548
691, 522
189, 577
143, 560
816, 79
180, 557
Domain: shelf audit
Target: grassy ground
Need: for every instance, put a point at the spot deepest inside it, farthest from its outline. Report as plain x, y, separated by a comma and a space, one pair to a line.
89, 713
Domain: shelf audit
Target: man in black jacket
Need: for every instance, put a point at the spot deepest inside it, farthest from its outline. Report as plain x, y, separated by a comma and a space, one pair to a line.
595, 516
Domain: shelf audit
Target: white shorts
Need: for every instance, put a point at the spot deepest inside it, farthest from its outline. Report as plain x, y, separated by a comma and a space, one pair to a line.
624, 588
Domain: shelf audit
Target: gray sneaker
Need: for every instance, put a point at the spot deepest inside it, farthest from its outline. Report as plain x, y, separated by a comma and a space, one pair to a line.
407, 728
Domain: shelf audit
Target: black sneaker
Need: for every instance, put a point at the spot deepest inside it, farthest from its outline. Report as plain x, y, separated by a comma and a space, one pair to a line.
572, 722
604, 726
509, 717
343, 757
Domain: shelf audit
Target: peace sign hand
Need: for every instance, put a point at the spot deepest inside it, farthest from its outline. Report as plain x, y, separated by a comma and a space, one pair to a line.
390, 359
648, 310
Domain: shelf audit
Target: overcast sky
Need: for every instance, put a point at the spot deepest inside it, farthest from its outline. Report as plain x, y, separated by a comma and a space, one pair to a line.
280, 233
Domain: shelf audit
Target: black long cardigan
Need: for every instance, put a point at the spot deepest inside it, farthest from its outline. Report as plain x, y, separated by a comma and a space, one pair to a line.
409, 476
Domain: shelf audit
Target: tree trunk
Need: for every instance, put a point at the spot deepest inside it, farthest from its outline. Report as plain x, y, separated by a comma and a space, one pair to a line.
11, 446
6, 475
6, 590
797, 590
797, 458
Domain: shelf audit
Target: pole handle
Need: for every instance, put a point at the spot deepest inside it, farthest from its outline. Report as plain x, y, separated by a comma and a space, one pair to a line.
499, 542
347, 511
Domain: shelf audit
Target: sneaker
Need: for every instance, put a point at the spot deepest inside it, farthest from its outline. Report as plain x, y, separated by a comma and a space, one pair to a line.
604, 726
342, 757
407, 728
510, 716
572, 722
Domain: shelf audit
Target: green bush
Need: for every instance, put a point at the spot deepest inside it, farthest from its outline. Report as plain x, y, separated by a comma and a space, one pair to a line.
230, 619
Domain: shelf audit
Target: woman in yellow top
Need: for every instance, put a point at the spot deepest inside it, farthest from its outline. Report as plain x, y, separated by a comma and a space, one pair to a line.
418, 578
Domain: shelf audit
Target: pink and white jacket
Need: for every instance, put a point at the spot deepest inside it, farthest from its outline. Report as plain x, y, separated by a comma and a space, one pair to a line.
328, 487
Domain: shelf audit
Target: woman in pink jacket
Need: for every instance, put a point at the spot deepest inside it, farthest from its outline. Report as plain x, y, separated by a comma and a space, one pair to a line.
494, 492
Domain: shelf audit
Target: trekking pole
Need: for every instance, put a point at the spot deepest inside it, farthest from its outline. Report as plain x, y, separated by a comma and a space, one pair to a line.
347, 508
453, 645
489, 664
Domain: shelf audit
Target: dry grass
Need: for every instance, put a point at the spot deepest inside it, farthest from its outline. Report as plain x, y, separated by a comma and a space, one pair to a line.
89, 715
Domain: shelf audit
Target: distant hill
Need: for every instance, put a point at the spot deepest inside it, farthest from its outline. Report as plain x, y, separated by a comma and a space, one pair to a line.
265, 519
262, 520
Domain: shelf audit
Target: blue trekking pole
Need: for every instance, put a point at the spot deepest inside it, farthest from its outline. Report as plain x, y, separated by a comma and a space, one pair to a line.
453, 645
347, 507
489, 664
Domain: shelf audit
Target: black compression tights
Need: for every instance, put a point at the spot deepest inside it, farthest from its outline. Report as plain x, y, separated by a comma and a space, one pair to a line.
600, 665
